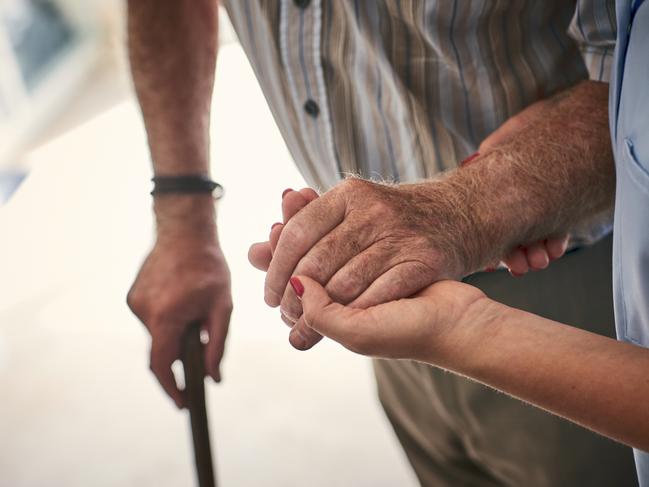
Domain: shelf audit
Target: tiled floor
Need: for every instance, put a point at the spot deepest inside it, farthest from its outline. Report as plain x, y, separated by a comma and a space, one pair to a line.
78, 405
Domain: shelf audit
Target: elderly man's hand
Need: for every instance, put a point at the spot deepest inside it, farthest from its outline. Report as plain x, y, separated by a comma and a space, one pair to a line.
424, 327
519, 260
261, 254
185, 279
369, 243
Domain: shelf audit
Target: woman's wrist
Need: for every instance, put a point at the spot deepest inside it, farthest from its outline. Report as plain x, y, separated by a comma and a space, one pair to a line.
462, 347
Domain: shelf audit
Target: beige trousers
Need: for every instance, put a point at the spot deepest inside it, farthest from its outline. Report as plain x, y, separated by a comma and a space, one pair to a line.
459, 433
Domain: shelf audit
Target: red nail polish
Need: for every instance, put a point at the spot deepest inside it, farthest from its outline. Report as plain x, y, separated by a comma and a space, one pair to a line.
466, 161
274, 225
297, 286
286, 191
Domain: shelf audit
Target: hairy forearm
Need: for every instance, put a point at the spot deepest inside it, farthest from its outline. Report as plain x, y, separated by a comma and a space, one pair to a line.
555, 173
592, 380
172, 49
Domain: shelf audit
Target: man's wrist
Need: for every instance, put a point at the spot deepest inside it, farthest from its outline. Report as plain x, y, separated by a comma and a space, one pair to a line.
483, 211
185, 216
450, 224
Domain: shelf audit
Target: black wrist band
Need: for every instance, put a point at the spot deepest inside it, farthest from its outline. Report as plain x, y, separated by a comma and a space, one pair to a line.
186, 184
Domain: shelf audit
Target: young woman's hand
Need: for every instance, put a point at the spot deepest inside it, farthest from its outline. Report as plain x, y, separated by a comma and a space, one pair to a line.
426, 327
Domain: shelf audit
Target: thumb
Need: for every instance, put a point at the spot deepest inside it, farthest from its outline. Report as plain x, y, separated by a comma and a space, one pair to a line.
328, 318
302, 336
217, 326
259, 255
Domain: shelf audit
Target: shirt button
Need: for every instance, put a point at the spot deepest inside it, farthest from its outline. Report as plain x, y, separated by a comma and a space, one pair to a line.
312, 108
302, 3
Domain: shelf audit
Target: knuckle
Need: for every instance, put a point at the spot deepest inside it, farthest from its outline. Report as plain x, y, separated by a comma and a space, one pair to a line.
312, 266
138, 306
355, 186
378, 206
380, 210
132, 300
345, 289
352, 183
373, 211
294, 233
422, 241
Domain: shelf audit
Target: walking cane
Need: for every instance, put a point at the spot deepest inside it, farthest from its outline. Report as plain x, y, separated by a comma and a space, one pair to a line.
194, 370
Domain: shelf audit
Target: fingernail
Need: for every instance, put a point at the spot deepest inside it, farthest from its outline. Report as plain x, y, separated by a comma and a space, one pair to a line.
469, 159
274, 225
297, 286
515, 274
286, 191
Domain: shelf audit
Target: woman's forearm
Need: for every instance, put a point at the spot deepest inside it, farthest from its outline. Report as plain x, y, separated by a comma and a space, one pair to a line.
592, 380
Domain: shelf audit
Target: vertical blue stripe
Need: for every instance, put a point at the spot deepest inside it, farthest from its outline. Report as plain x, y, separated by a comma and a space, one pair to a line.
487, 121
635, 6
610, 10
332, 119
386, 130
602, 62
363, 101
307, 85
305, 74
329, 19
408, 48
467, 107
579, 23
429, 92
510, 62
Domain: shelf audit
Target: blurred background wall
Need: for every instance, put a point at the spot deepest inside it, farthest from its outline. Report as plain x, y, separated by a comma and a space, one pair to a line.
48, 48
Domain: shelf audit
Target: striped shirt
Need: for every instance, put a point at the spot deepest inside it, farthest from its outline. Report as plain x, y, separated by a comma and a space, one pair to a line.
403, 89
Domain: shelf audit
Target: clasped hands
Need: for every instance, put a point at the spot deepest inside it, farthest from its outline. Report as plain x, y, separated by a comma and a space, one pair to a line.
374, 266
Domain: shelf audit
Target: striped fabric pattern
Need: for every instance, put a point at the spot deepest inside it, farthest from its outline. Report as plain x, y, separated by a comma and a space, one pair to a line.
404, 89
